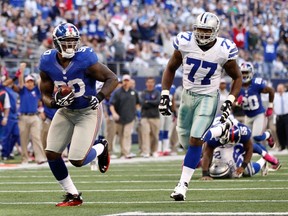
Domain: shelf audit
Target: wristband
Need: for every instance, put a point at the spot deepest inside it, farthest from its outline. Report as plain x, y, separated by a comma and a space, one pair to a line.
244, 165
205, 173
165, 92
100, 96
270, 105
5, 118
231, 98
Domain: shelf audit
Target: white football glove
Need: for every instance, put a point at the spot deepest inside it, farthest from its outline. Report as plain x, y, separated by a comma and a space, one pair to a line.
63, 101
165, 104
93, 101
226, 108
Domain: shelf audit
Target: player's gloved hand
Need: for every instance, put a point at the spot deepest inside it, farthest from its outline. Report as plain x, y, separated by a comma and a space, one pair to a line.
269, 110
226, 108
165, 103
63, 101
93, 101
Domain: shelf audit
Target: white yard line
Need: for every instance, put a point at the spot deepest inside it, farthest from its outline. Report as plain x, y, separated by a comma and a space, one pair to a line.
199, 213
145, 190
156, 202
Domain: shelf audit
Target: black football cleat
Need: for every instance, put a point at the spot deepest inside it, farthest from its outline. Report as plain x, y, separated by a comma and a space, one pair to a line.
71, 200
104, 158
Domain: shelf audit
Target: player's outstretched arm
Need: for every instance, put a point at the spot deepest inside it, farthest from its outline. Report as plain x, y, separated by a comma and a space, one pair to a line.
232, 69
169, 73
271, 93
206, 160
248, 147
102, 73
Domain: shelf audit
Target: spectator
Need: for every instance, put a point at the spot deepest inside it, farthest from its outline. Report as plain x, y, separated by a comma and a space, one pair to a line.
4, 112
124, 104
150, 119
29, 122
239, 30
281, 111
270, 54
11, 134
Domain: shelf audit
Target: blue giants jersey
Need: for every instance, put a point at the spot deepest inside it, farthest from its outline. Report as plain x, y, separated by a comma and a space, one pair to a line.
252, 103
74, 75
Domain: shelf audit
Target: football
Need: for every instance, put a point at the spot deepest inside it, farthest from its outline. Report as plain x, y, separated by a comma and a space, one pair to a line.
65, 90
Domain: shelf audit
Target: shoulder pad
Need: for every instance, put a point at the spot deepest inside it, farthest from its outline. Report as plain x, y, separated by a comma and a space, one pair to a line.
229, 48
182, 39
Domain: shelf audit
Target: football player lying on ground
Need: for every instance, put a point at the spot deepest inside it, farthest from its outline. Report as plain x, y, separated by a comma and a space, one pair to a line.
230, 149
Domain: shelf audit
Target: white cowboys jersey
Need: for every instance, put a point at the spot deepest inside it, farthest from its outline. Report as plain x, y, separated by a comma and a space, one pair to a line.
231, 154
202, 69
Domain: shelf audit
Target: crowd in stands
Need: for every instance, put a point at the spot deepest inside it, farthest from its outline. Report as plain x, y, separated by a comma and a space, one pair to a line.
139, 33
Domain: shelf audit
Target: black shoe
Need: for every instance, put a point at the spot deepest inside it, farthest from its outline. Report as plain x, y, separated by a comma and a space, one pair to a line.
104, 158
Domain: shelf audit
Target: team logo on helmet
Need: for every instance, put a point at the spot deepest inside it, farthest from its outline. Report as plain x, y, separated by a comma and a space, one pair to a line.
206, 28
66, 39
247, 71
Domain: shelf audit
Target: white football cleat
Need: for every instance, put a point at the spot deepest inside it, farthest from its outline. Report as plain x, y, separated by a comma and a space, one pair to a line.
180, 190
265, 169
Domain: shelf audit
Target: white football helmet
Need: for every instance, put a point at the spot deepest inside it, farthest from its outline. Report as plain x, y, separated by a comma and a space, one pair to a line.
247, 71
66, 39
220, 169
206, 21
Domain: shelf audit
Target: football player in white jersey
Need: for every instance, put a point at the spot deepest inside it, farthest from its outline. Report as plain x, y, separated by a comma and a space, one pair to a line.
204, 57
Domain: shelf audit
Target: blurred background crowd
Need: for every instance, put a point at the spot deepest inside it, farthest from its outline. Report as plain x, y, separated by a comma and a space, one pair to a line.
134, 36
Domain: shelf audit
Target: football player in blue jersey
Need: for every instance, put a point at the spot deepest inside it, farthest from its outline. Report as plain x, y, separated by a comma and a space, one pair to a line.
229, 150
204, 57
250, 101
76, 120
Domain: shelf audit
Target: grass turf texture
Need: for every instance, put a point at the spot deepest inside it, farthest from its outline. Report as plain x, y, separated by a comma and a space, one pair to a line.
140, 187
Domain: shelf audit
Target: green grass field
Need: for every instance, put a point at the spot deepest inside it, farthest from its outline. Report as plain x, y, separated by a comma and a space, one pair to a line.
142, 188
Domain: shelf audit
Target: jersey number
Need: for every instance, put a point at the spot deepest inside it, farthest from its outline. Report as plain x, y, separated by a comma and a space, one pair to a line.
203, 64
77, 84
250, 103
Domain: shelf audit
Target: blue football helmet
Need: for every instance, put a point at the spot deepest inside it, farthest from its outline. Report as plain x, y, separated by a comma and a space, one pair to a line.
66, 39
247, 71
206, 28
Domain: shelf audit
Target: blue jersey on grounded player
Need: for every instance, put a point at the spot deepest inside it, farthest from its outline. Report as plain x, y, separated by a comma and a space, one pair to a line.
74, 75
239, 133
252, 103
